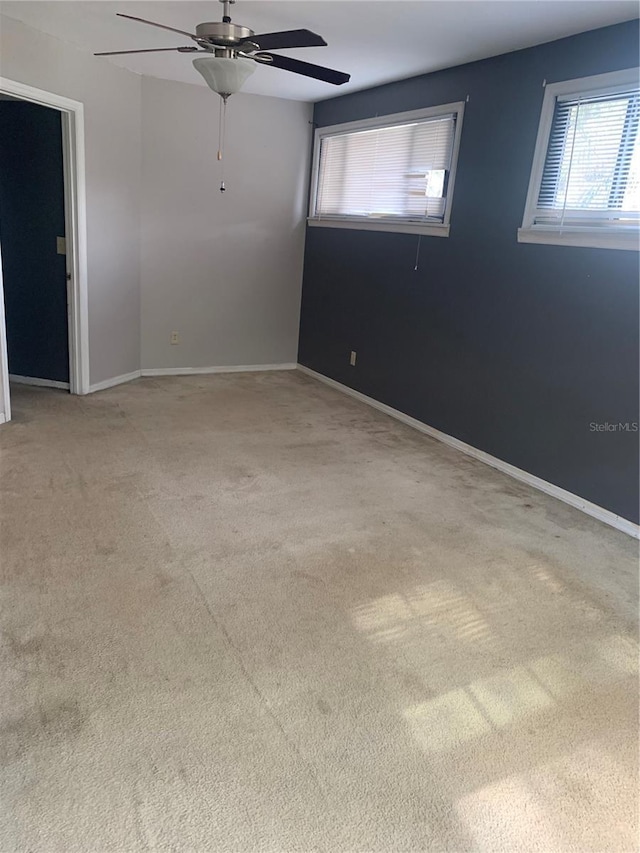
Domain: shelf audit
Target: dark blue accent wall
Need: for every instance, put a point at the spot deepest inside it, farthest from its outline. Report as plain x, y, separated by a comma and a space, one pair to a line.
513, 348
31, 217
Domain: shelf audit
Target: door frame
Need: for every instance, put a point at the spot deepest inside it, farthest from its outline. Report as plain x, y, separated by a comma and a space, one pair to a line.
75, 214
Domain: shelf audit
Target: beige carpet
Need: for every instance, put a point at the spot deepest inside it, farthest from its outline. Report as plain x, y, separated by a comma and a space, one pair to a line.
244, 612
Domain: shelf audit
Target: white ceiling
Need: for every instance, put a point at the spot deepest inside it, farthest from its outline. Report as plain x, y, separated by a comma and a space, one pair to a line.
374, 41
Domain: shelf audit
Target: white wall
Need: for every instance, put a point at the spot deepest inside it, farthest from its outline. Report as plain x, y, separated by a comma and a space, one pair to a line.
111, 97
223, 270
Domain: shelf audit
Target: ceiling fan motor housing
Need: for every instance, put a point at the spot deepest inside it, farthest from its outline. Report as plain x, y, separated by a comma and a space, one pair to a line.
223, 33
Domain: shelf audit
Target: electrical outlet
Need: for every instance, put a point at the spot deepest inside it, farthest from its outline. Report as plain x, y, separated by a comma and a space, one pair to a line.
352, 359
175, 338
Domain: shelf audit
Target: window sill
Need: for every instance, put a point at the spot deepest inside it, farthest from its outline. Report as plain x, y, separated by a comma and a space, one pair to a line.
431, 229
586, 237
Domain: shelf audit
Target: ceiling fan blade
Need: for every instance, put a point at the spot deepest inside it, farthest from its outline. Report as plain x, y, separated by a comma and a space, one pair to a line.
288, 38
148, 50
153, 24
328, 75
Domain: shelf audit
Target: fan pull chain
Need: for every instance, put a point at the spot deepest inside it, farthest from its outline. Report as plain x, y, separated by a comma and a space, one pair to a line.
222, 129
418, 253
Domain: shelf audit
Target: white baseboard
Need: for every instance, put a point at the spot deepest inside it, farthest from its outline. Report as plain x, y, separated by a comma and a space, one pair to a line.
232, 368
114, 380
40, 383
186, 371
585, 506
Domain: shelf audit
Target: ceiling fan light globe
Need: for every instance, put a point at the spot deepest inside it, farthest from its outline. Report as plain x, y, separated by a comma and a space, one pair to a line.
225, 76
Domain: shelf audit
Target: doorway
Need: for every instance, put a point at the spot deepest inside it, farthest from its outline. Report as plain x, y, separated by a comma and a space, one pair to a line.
32, 234
51, 338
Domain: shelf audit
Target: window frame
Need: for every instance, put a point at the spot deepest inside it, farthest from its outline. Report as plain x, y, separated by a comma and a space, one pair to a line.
589, 236
389, 224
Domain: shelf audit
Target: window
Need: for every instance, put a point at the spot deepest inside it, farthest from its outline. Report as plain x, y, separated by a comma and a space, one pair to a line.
393, 173
585, 181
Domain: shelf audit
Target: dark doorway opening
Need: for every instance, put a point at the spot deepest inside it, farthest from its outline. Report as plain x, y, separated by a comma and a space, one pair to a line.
32, 240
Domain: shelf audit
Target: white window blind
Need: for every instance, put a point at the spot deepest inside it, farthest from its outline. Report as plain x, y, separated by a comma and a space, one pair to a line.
591, 173
396, 172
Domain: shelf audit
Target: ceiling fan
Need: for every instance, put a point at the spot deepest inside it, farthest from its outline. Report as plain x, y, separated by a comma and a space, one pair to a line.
231, 51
